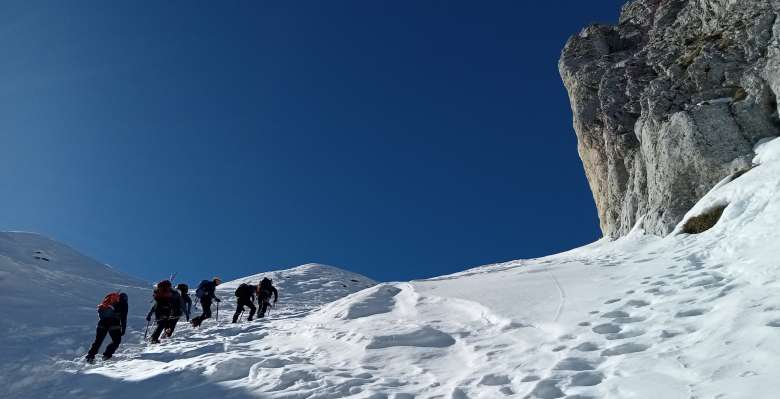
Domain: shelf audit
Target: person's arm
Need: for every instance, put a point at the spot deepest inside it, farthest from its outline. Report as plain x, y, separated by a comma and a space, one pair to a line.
149, 315
276, 294
124, 318
189, 307
214, 294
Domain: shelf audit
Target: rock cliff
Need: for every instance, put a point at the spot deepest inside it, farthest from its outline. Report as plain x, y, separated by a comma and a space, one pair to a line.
670, 101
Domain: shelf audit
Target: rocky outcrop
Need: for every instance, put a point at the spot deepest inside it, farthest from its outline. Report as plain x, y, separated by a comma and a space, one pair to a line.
669, 102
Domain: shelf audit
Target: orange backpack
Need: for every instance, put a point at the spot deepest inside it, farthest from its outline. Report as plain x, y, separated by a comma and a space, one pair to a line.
106, 308
109, 301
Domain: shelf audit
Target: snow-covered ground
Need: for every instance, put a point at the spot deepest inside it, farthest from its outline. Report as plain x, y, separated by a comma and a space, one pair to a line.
684, 316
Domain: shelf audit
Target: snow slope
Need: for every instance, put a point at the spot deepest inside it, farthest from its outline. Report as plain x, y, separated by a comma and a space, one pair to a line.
49, 292
684, 316
52, 291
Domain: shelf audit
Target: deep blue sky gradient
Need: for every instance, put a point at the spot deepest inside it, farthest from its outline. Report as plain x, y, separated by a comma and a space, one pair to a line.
398, 139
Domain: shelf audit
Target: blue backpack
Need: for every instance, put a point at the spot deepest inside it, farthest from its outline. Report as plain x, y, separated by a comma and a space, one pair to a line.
201, 291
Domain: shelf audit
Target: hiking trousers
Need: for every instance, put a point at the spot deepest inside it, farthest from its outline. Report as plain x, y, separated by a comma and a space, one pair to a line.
162, 325
240, 303
112, 328
205, 303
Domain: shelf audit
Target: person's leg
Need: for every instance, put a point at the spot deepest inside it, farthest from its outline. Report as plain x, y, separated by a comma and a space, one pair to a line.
252, 310
115, 332
239, 309
205, 304
100, 335
263, 308
157, 331
171, 326
206, 309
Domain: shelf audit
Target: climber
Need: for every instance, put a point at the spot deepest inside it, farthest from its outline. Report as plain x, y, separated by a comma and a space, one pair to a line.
264, 291
186, 302
206, 293
112, 313
246, 297
167, 309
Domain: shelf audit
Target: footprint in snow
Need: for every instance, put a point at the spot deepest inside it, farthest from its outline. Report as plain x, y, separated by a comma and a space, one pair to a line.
531, 378
624, 349
587, 347
586, 379
495, 380
637, 303
615, 314
575, 364
628, 320
665, 334
612, 301
773, 323
607, 328
690, 313
708, 280
547, 389
625, 334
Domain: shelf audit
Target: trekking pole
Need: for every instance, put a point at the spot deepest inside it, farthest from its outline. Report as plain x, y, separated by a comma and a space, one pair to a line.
240, 317
217, 312
147, 329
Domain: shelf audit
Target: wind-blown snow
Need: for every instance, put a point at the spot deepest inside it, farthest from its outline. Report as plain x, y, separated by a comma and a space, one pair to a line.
685, 316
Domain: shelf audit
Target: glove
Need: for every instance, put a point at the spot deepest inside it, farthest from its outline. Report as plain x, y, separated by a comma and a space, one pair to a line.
217, 300
123, 332
275, 301
148, 317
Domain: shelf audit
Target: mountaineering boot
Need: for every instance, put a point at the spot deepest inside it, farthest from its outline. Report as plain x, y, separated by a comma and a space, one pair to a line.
249, 318
90, 359
106, 357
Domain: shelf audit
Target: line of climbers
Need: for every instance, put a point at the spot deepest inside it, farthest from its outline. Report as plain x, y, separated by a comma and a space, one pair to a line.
169, 306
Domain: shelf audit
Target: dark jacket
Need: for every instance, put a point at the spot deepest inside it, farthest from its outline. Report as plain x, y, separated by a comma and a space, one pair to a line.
209, 291
166, 306
248, 293
186, 304
266, 289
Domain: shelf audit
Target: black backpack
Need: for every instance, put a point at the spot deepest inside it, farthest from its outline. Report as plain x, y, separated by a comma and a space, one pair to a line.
202, 287
244, 290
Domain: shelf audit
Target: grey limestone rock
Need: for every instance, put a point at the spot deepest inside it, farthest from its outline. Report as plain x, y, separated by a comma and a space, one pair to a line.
669, 102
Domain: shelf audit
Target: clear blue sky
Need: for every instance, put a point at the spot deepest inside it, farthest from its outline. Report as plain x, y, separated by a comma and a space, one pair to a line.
398, 139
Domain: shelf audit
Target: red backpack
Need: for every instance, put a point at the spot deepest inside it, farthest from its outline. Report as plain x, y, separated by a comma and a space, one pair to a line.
106, 308
163, 291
